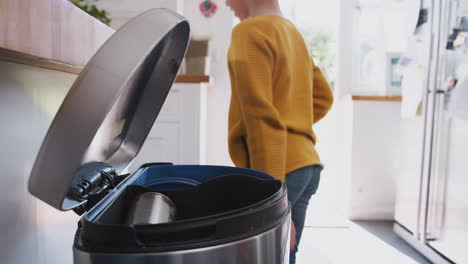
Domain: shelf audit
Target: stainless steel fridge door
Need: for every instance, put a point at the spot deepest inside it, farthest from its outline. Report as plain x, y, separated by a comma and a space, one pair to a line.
434, 191
409, 209
447, 213
409, 178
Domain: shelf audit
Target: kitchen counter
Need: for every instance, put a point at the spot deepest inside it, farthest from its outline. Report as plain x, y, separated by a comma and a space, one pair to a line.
47, 63
53, 30
55, 35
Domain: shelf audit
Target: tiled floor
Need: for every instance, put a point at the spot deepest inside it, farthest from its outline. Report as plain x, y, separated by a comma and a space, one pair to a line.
361, 242
329, 238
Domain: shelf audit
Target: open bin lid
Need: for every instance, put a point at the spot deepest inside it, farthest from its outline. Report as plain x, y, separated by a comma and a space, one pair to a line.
112, 106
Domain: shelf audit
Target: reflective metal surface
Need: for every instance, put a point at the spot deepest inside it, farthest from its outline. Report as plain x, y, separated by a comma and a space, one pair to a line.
31, 231
415, 138
152, 208
447, 213
442, 230
271, 247
426, 251
112, 106
438, 177
450, 210
409, 177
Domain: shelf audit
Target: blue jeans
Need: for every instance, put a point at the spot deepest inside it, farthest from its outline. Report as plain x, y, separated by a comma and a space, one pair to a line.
302, 184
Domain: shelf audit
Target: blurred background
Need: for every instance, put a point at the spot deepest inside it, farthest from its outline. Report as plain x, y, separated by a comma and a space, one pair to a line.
394, 145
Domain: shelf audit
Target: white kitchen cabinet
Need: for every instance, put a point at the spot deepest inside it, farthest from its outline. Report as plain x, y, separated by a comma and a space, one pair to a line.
178, 136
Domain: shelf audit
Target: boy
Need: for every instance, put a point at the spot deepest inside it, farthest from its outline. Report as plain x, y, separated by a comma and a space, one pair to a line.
277, 95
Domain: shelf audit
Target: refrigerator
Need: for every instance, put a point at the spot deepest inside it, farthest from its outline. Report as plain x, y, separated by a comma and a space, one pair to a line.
431, 210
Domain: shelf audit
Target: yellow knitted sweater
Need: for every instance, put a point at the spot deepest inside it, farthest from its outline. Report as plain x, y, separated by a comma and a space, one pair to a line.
277, 95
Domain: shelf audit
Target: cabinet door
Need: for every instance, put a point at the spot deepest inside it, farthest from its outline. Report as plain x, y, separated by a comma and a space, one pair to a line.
178, 134
162, 146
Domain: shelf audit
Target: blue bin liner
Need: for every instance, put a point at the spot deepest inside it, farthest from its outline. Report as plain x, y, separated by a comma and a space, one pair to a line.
179, 177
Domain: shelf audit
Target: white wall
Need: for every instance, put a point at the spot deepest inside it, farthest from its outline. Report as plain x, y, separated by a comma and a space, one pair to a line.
369, 133
344, 59
218, 29
374, 159
120, 11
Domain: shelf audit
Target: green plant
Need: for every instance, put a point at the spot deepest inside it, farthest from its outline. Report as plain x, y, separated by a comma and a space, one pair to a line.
93, 10
322, 47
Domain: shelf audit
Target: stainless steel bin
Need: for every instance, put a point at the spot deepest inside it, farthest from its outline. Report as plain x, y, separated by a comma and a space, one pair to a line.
224, 214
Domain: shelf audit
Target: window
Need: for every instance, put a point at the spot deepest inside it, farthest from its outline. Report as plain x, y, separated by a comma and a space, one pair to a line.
318, 21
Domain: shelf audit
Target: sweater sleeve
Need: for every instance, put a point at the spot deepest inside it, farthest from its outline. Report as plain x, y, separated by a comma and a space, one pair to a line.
251, 69
322, 93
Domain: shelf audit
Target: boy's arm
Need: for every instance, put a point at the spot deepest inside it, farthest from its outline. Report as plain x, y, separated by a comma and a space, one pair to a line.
251, 68
323, 95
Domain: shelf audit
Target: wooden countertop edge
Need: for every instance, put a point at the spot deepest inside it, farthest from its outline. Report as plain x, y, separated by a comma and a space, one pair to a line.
22, 58
193, 79
51, 29
377, 98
